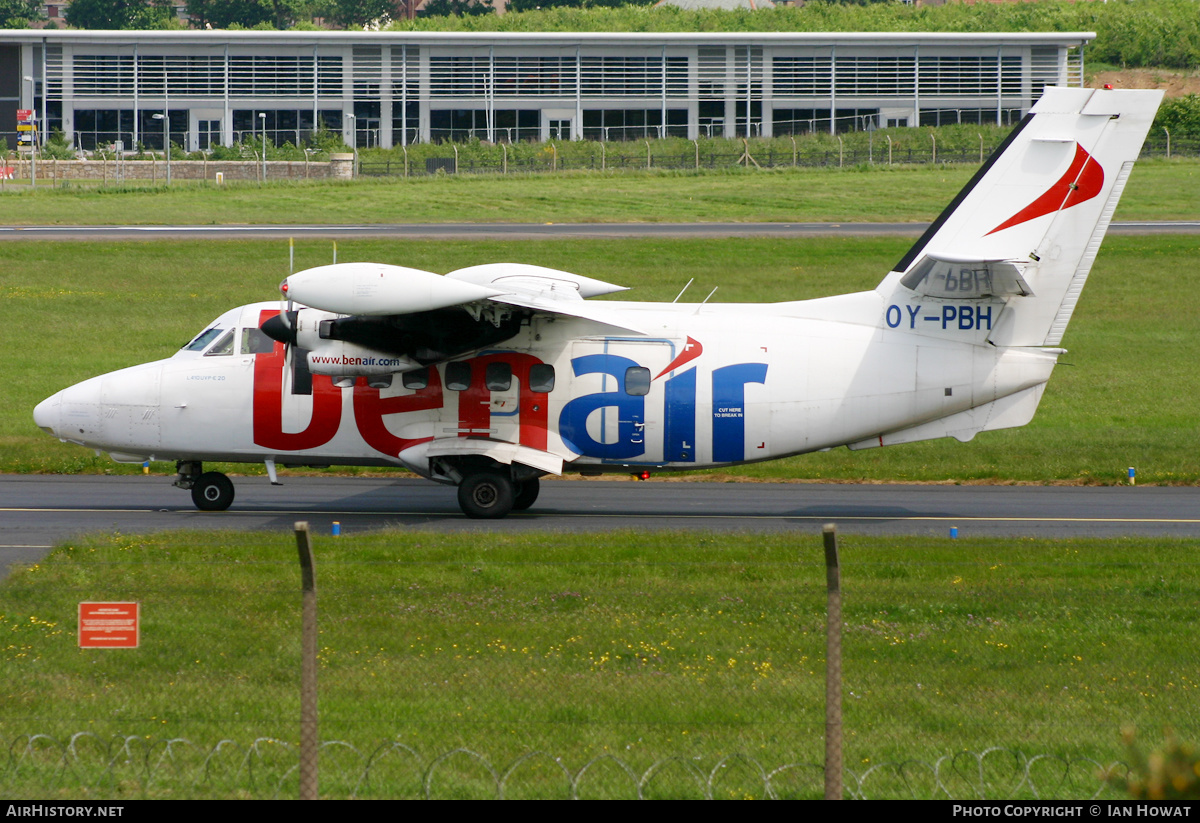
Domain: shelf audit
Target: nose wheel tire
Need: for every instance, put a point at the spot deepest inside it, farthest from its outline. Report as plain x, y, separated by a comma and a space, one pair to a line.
486, 495
212, 492
526, 494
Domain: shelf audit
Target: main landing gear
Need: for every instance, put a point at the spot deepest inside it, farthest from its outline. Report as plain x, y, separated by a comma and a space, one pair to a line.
486, 491
211, 491
490, 491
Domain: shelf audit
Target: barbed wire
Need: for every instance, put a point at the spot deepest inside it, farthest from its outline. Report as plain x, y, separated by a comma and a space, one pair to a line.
87, 764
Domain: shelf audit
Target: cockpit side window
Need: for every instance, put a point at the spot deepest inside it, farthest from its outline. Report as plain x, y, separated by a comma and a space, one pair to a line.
222, 347
200, 343
254, 341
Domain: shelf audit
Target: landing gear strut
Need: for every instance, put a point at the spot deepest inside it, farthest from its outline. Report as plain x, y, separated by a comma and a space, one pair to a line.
211, 491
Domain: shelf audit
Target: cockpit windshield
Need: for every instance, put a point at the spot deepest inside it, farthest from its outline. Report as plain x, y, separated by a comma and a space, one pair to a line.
223, 347
200, 343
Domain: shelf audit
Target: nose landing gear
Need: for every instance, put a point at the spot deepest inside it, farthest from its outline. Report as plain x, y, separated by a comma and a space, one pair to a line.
211, 491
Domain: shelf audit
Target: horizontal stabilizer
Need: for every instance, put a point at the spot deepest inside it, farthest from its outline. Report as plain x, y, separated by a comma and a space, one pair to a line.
968, 279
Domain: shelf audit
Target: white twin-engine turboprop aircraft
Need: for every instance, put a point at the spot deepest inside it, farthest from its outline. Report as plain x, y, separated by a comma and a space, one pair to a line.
493, 376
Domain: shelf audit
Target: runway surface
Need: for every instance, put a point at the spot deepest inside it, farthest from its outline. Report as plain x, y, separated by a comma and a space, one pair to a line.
39, 511
516, 231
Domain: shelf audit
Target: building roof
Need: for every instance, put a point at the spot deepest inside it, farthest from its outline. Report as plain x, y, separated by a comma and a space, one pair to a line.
727, 5
218, 38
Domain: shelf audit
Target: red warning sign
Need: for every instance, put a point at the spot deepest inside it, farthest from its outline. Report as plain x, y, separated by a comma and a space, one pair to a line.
108, 625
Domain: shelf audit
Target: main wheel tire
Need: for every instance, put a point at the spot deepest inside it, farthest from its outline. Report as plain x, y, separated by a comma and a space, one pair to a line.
527, 494
212, 492
486, 495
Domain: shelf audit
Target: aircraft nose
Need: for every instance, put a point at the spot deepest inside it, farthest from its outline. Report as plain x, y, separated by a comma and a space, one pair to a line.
46, 414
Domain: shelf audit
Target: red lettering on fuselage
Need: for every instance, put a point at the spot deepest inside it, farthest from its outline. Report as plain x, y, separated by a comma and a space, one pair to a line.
369, 409
474, 412
268, 404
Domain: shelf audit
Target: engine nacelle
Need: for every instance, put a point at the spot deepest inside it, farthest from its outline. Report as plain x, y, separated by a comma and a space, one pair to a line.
337, 358
341, 358
379, 289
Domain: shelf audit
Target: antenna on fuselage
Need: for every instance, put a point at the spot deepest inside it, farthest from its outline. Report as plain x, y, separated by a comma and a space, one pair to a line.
681, 291
705, 300
335, 252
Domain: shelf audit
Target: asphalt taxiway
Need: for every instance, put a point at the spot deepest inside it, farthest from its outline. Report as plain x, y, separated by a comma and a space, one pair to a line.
39, 511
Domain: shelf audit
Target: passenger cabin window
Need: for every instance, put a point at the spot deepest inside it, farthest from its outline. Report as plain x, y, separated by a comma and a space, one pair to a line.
458, 376
201, 341
637, 381
498, 377
415, 380
254, 341
223, 347
541, 378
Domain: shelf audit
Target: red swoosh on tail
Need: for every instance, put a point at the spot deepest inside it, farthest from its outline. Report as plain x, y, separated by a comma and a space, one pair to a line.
1080, 183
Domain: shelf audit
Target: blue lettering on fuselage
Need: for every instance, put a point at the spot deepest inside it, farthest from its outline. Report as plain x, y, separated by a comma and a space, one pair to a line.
963, 317
679, 432
679, 412
630, 410
729, 409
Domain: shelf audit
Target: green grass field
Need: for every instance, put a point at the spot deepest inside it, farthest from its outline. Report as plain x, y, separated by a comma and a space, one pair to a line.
1123, 396
650, 648
1157, 190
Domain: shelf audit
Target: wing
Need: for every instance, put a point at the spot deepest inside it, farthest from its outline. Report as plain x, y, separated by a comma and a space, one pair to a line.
380, 290
547, 291
377, 319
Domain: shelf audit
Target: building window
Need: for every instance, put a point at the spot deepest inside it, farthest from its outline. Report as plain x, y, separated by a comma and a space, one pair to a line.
632, 124
293, 126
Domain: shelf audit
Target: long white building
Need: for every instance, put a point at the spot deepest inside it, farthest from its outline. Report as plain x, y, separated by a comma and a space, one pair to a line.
390, 89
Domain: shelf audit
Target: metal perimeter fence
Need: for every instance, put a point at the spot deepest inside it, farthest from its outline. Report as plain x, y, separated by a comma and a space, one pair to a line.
499, 160
595, 666
446, 158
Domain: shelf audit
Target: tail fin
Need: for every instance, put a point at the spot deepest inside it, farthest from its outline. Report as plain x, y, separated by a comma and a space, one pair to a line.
1023, 234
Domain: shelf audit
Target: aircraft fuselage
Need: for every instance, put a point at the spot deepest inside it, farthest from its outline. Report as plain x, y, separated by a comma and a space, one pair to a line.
708, 385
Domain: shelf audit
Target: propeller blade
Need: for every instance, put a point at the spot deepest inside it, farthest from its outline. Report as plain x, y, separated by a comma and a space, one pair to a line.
281, 327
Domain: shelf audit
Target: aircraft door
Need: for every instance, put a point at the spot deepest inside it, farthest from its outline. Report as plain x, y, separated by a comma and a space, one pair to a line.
502, 396
619, 409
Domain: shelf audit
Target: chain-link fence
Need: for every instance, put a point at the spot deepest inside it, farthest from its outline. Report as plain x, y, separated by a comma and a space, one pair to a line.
670, 155
625, 665
542, 158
